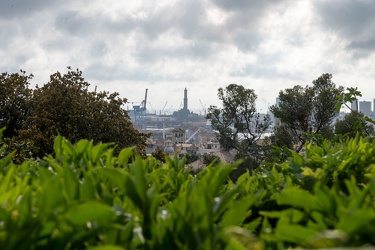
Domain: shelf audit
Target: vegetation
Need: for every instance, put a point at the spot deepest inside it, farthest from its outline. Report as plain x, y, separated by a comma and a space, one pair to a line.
304, 110
352, 124
86, 197
355, 122
87, 194
14, 97
240, 126
63, 105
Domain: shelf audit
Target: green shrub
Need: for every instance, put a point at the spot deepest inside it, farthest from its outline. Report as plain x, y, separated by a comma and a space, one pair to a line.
86, 197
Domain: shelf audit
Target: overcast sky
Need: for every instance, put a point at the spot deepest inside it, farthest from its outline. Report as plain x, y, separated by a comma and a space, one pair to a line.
167, 45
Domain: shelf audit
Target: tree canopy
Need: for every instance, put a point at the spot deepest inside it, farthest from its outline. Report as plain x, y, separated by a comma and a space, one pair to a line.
352, 124
14, 97
309, 109
65, 106
239, 125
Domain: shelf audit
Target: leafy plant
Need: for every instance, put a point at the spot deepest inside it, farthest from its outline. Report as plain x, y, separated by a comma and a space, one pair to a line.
85, 196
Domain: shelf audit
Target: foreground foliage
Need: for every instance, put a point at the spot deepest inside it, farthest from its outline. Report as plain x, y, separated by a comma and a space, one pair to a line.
86, 197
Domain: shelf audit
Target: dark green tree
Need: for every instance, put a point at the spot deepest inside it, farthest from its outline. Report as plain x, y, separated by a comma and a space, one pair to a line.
307, 111
239, 125
209, 158
354, 123
65, 105
159, 155
14, 96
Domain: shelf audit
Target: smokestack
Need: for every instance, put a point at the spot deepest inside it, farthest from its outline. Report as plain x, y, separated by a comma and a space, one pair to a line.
185, 100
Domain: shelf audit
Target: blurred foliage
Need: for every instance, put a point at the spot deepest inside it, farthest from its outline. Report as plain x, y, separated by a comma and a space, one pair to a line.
87, 197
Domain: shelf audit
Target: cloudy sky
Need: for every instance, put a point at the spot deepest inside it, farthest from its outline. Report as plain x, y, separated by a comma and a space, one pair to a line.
167, 45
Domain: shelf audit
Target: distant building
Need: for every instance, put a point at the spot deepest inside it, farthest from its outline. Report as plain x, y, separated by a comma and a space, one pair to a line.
354, 105
169, 149
184, 113
365, 108
178, 136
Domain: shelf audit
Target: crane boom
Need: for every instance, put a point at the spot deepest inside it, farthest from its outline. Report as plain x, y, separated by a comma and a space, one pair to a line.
191, 137
145, 100
203, 107
163, 107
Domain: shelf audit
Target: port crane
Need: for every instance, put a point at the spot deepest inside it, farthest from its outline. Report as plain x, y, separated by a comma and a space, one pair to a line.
152, 108
161, 111
142, 106
203, 107
139, 110
191, 137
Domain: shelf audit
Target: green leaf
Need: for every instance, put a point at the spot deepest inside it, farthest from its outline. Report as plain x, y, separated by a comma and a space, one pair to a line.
51, 196
354, 220
81, 146
124, 156
57, 145
238, 212
294, 233
106, 247
68, 149
90, 211
71, 183
88, 188
6, 182
298, 198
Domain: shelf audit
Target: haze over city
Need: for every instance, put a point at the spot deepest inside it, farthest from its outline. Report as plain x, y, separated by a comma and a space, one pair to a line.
202, 45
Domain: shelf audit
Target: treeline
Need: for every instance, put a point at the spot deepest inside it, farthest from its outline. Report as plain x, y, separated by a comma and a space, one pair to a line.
303, 114
63, 105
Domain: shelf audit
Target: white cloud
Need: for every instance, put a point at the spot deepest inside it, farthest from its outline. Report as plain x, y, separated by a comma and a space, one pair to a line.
166, 46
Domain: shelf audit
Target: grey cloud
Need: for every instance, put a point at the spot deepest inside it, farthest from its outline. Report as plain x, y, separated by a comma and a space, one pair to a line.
363, 45
361, 48
258, 71
244, 5
74, 23
98, 48
353, 21
247, 41
197, 51
21, 8
99, 71
186, 16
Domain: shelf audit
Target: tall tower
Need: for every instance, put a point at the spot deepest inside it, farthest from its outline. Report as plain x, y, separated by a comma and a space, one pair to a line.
185, 100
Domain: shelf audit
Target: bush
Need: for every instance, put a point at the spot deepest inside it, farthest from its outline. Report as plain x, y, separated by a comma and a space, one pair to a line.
85, 196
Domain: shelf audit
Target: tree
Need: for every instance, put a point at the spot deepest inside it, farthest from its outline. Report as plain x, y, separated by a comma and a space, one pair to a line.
239, 125
352, 124
304, 110
65, 106
14, 96
355, 122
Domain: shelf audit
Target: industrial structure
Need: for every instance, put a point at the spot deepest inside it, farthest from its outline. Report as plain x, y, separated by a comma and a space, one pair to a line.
142, 119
